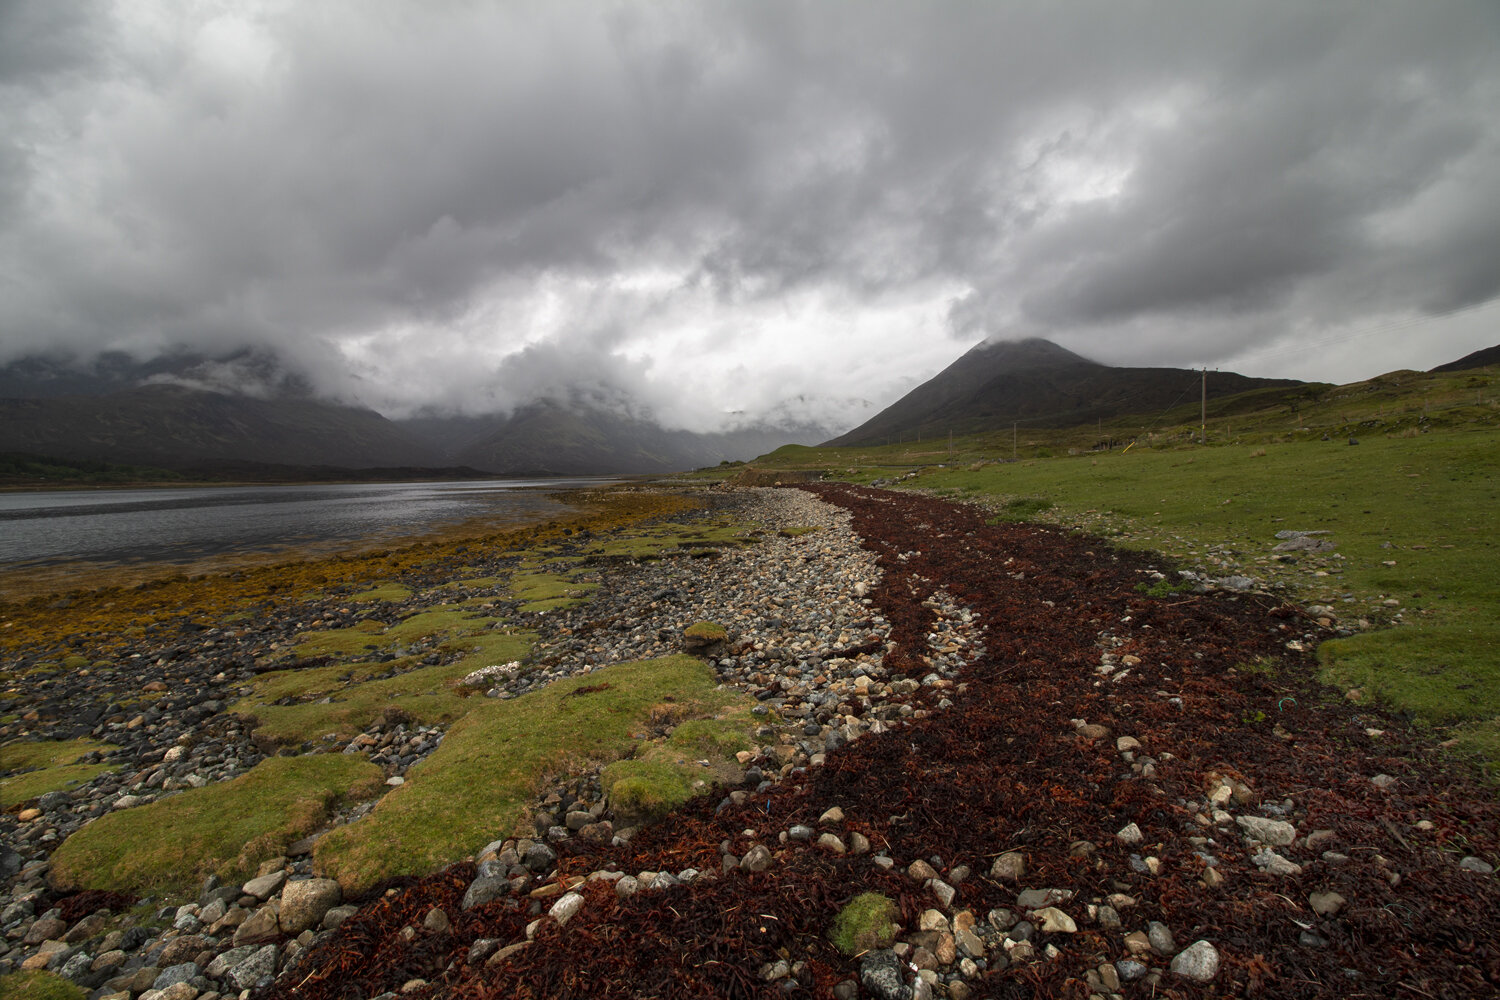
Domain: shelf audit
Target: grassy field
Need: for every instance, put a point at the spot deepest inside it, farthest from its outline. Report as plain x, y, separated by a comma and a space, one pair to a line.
1411, 510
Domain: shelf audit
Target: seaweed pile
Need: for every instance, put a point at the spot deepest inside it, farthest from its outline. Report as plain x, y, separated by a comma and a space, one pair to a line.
1107, 746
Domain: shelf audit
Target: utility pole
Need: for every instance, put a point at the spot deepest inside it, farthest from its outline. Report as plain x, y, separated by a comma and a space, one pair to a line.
1203, 426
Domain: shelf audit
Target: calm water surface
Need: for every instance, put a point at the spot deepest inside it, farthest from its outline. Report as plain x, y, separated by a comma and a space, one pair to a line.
181, 525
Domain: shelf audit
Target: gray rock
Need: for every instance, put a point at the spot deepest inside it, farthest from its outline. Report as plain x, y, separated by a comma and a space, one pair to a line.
1326, 904
304, 903
540, 858
174, 974
1130, 834
1130, 970
1009, 867
1199, 962
1275, 832
485, 889
77, 967
566, 908
225, 961
1160, 936
882, 974
757, 859
800, 832
266, 886
250, 971
1474, 864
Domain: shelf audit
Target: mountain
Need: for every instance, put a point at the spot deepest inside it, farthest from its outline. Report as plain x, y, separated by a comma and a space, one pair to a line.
1040, 384
1479, 359
552, 438
174, 427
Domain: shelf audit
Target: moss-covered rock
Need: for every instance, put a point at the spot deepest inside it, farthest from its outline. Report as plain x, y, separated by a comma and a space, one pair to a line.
867, 921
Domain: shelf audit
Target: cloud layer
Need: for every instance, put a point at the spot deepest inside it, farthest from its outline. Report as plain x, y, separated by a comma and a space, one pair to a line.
722, 209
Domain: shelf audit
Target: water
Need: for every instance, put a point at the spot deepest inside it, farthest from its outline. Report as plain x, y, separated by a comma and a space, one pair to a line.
182, 525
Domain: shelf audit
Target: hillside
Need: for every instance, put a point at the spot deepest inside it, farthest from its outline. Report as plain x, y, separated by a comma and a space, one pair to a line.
1039, 384
179, 428
1478, 359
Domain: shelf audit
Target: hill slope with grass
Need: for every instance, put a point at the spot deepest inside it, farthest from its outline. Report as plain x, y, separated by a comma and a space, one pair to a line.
1039, 384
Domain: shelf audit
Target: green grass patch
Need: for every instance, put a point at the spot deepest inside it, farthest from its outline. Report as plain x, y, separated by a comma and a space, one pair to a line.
339, 700
706, 631
47, 766
34, 784
39, 985
481, 782
392, 592
225, 829
1413, 519
357, 640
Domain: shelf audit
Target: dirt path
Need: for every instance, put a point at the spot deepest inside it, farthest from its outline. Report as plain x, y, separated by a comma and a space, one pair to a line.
1107, 745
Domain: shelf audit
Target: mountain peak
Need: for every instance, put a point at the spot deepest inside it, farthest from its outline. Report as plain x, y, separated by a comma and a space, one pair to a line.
1026, 353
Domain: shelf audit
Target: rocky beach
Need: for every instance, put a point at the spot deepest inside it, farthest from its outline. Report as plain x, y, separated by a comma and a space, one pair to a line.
987, 761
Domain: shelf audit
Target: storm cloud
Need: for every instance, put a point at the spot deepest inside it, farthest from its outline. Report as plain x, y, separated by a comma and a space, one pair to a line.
723, 210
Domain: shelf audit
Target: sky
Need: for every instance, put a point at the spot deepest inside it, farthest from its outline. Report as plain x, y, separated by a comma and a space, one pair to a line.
719, 212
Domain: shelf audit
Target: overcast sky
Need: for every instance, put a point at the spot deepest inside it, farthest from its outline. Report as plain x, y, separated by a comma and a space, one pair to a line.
756, 206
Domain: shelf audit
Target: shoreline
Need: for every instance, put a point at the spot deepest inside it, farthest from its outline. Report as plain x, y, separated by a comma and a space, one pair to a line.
1050, 733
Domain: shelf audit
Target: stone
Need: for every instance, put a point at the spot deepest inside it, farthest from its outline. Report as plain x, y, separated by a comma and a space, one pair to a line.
757, 859
1326, 904
540, 858
265, 886
261, 926
882, 975
1479, 865
483, 890
334, 918
921, 871
1130, 970
566, 908
1055, 921
833, 815
45, 929
1130, 834
437, 921
1274, 864
829, 842
224, 961
1160, 936
1199, 962
304, 903
182, 949
944, 892
179, 973
1009, 867
933, 920
1035, 899
251, 970
1274, 832
1137, 943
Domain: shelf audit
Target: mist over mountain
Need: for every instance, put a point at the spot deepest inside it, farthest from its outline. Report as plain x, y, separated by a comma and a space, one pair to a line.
186, 411
1040, 384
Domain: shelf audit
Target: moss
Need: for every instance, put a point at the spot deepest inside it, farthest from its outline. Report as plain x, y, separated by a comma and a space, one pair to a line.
867, 921
225, 829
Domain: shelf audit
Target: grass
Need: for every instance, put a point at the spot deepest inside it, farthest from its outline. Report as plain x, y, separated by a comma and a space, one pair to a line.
1412, 516
39, 985
393, 592
225, 829
482, 781
341, 700
47, 766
